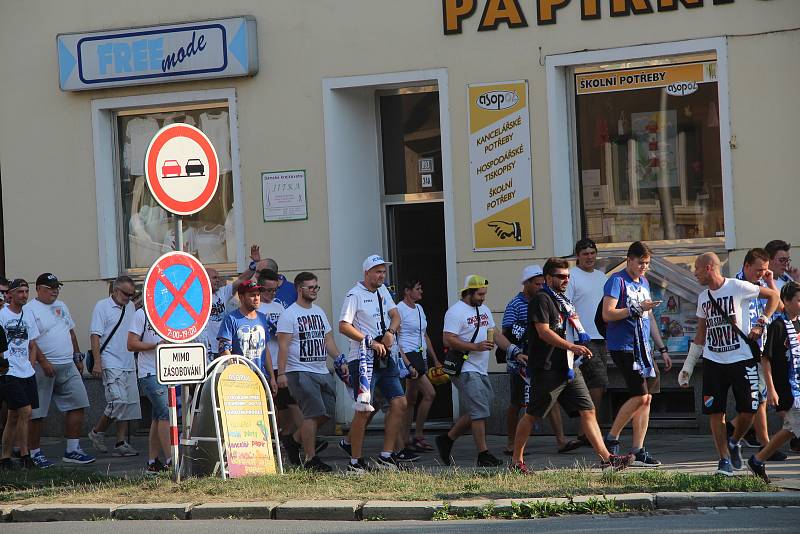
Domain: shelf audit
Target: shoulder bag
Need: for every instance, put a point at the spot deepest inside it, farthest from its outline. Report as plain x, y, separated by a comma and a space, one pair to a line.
454, 359
90, 355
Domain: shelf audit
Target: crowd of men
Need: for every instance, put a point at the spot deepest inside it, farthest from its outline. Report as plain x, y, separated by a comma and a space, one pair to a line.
556, 338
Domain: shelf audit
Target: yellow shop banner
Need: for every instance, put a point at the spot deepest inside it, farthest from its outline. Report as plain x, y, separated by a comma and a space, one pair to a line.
245, 422
500, 166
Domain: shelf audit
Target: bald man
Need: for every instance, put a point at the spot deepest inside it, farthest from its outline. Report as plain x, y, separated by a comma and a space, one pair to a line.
729, 363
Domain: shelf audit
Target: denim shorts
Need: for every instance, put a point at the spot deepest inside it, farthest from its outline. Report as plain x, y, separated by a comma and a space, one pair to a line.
157, 395
386, 380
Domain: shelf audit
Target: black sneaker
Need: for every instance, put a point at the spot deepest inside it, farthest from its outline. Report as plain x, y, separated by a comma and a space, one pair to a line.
320, 446
759, 469
749, 440
445, 446
487, 459
735, 450
777, 456
292, 449
154, 468
386, 464
794, 445
359, 468
616, 462
27, 462
346, 447
407, 455
643, 459
315, 464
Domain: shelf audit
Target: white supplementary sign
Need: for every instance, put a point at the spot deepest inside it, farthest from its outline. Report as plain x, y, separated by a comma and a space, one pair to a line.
219, 48
181, 364
284, 195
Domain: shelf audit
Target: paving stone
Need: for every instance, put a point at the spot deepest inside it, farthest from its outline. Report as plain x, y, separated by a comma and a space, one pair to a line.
674, 500
233, 510
505, 505
400, 510
153, 511
465, 506
637, 501
59, 512
319, 510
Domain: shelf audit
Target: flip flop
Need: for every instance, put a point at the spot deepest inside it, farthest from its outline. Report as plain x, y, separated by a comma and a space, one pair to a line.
571, 445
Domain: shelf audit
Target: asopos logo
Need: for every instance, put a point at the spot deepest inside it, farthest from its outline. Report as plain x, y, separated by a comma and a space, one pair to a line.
496, 100
681, 88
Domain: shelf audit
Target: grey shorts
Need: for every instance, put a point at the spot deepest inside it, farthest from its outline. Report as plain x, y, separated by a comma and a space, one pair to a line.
791, 421
122, 395
595, 369
65, 388
313, 392
475, 394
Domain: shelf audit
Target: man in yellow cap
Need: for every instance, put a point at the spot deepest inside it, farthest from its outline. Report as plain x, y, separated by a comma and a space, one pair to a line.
466, 330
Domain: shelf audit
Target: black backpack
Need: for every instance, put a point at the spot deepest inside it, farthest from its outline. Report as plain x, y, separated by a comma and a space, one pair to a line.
599, 322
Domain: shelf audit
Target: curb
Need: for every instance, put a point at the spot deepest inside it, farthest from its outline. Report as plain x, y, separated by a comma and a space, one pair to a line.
352, 510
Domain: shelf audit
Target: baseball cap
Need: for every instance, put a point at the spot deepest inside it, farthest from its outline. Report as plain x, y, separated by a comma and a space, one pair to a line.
373, 261
16, 283
249, 286
473, 281
529, 272
49, 280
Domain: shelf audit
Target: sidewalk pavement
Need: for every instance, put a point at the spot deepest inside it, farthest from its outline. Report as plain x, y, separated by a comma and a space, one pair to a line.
677, 452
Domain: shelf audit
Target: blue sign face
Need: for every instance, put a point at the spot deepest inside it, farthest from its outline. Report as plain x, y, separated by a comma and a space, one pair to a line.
213, 49
178, 290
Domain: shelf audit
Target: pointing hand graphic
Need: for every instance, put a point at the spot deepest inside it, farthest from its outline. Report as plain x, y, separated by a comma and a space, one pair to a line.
504, 229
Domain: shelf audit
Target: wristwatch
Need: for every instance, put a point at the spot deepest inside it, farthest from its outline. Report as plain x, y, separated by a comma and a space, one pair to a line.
253, 265
392, 331
663, 350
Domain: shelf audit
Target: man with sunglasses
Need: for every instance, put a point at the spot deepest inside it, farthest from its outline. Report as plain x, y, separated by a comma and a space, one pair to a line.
780, 263
305, 341
58, 371
555, 375
627, 308
18, 381
111, 321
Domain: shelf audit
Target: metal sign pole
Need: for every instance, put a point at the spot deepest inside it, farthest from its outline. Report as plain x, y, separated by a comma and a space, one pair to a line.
176, 450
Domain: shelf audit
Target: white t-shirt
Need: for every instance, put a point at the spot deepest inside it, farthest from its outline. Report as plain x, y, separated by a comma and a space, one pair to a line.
140, 132
273, 311
20, 331
219, 301
54, 324
361, 310
722, 344
308, 327
105, 315
413, 324
460, 320
147, 359
585, 290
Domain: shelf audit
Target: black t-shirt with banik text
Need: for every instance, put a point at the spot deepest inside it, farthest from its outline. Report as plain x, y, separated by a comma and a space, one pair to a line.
776, 349
543, 309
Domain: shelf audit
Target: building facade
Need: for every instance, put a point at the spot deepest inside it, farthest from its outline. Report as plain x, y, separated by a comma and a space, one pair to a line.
454, 137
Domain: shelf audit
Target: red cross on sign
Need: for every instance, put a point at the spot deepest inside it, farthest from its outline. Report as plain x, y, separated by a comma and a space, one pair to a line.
177, 297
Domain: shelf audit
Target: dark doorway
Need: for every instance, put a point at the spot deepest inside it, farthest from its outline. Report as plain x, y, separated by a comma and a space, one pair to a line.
415, 235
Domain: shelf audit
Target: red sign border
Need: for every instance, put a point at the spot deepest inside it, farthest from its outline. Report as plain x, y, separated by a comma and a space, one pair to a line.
167, 260
170, 204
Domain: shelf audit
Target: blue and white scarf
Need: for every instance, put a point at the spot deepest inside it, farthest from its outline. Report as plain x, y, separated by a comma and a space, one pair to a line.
514, 367
756, 307
366, 359
793, 355
568, 309
642, 359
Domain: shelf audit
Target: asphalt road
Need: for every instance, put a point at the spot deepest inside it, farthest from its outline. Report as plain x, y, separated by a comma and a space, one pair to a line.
755, 520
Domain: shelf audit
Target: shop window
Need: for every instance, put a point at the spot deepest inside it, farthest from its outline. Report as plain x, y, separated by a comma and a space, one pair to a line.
411, 141
648, 150
146, 230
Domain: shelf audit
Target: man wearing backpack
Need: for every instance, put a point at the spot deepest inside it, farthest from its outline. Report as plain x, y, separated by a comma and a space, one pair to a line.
626, 307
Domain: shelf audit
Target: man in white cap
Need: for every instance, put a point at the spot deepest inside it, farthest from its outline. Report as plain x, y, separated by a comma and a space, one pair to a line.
370, 320
466, 332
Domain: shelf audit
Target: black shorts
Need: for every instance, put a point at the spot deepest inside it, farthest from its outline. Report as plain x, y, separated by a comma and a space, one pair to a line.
637, 385
283, 399
549, 387
19, 392
418, 361
517, 385
595, 369
741, 377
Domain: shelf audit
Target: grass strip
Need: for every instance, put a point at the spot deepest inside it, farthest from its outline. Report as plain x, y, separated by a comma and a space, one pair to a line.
78, 486
534, 510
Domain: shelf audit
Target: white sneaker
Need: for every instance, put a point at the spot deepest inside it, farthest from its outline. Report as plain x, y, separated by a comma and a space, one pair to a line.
124, 450
98, 440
